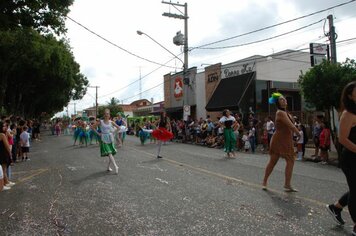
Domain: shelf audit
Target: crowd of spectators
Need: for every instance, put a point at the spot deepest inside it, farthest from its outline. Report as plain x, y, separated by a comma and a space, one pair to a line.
209, 132
16, 135
250, 133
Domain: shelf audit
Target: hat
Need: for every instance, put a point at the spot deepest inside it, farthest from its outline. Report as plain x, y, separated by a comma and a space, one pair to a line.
274, 98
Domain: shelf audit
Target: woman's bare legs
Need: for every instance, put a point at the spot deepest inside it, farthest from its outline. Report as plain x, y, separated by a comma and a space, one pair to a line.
288, 172
269, 168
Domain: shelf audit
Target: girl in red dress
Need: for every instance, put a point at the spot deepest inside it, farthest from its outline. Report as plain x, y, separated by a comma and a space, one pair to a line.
162, 133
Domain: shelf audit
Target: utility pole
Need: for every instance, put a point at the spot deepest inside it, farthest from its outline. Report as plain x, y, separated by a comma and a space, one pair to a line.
332, 37
73, 103
183, 16
96, 99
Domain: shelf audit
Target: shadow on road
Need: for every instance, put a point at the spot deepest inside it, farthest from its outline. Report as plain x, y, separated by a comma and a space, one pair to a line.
90, 177
288, 206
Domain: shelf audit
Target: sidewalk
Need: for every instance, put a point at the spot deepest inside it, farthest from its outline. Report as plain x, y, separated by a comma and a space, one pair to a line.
333, 158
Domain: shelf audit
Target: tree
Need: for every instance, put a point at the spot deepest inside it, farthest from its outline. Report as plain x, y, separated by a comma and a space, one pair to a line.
44, 16
113, 101
113, 106
37, 73
322, 86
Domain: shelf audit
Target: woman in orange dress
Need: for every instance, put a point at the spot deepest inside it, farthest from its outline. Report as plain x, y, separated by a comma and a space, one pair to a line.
282, 142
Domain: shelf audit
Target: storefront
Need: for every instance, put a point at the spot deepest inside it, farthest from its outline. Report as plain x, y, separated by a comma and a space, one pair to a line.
180, 90
245, 85
242, 86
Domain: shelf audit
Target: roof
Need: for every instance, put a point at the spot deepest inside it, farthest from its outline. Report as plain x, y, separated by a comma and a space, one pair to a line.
137, 102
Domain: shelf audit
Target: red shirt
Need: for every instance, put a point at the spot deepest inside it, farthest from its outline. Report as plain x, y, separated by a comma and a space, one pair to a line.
324, 137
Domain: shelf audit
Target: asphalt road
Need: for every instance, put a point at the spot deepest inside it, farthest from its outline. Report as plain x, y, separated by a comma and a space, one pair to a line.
193, 190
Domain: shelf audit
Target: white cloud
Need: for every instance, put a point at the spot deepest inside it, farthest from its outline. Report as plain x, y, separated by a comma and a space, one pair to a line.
112, 69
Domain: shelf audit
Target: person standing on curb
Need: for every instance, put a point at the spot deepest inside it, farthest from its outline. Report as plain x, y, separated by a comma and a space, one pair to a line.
270, 129
347, 138
5, 155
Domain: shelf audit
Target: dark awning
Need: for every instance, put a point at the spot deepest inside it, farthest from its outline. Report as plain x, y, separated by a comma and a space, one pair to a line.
174, 109
228, 93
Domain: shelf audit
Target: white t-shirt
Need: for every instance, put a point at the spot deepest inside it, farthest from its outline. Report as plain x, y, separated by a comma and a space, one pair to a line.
252, 132
270, 127
224, 118
301, 139
25, 138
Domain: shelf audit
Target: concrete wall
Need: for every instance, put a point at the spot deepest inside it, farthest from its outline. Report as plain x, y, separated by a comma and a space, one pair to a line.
212, 80
200, 95
283, 67
189, 91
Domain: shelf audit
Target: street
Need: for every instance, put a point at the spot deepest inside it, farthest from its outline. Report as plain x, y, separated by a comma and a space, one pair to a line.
193, 190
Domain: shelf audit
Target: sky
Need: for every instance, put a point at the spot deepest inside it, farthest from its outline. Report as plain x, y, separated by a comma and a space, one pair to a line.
107, 61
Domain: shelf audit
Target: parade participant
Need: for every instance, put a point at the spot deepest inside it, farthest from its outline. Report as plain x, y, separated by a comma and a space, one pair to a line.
282, 142
5, 155
227, 121
83, 134
347, 138
92, 134
107, 147
57, 128
77, 124
120, 121
162, 133
143, 134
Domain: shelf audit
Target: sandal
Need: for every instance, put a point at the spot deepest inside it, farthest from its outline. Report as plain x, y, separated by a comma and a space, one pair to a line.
290, 189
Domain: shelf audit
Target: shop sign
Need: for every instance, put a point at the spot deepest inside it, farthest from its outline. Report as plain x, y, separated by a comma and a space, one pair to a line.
178, 88
213, 77
237, 70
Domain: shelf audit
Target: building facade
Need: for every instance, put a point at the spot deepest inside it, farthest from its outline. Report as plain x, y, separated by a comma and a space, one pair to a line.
242, 86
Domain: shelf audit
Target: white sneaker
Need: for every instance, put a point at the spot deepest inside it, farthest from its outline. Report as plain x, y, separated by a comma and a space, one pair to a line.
117, 170
10, 184
109, 169
6, 188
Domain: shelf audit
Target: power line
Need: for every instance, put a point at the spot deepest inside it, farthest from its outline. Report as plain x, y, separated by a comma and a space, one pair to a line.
114, 44
275, 56
143, 92
266, 39
137, 79
275, 25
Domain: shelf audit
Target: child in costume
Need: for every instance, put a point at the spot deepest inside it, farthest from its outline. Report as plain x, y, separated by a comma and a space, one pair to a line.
107, 146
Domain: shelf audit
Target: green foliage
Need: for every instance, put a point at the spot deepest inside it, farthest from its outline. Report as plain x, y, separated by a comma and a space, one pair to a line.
113, 106
37, 73
322, 85
113, 101
44, 16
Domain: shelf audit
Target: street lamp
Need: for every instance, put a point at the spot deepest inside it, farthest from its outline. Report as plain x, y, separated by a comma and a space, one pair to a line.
142, 33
